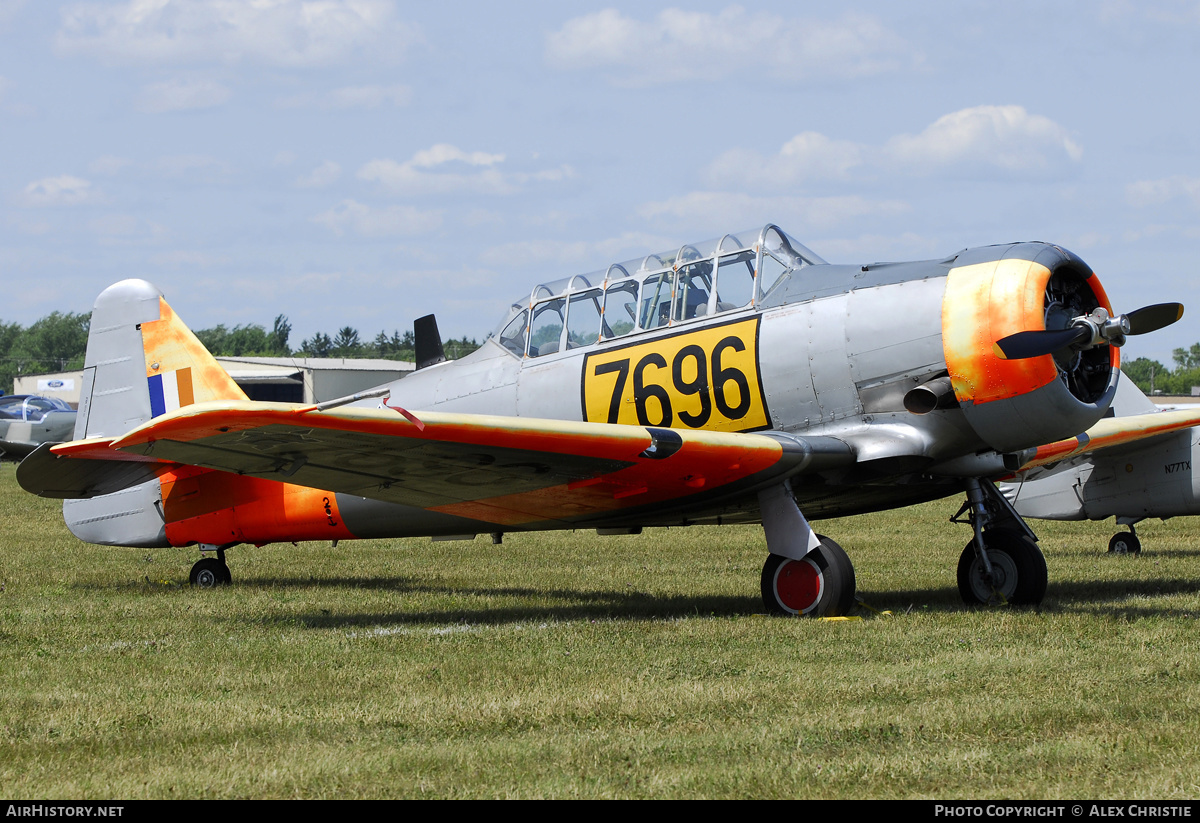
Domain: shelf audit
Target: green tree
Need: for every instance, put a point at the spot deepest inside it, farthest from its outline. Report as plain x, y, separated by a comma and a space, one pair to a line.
319, 345
277, 340
459, 348
347, 344
1187, 358
1148, 375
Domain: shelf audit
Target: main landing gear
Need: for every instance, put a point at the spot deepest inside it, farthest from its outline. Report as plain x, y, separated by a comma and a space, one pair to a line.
1003, 564
210, 572
819, 585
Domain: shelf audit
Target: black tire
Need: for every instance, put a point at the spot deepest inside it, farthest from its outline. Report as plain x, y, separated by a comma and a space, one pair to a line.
820, 585
1124, 543
1018, 565
209, 572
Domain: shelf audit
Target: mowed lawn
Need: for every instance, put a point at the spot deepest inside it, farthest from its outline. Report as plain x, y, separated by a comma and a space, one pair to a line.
572, 665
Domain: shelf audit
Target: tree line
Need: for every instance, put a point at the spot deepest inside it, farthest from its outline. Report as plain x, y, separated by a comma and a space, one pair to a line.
1152, 376
58, 341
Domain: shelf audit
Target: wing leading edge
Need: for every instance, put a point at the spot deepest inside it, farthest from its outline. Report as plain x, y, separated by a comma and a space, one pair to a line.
1111, 433
502, 470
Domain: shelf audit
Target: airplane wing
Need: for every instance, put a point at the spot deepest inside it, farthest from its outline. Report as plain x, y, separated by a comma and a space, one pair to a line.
1110, 433
501, 470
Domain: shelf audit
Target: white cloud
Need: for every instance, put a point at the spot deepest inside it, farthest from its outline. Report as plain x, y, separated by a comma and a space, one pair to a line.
423, 174
351, 97
323, 175
1157, 192
1003, 137
277, 32
393, 221
181, 95
64, 190
446, 153
807, 156
683, 45
980, 141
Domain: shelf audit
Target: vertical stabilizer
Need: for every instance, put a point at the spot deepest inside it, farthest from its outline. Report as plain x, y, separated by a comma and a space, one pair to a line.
142, 361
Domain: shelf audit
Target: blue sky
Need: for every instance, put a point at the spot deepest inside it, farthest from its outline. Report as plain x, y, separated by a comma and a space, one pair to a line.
364, 162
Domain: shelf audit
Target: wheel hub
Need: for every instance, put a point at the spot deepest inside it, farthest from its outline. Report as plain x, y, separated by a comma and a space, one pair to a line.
1003, 582
799, 585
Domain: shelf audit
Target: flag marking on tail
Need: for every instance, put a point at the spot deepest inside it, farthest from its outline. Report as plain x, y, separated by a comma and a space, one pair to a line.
170, 391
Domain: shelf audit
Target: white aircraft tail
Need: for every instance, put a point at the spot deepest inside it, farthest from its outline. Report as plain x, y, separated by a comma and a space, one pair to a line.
141, 362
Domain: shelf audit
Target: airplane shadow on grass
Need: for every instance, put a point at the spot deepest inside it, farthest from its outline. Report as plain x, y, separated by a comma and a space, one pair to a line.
1120, 599
568, 605
1114, 598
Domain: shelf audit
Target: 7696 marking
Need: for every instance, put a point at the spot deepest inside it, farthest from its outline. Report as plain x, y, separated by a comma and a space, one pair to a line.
704, 379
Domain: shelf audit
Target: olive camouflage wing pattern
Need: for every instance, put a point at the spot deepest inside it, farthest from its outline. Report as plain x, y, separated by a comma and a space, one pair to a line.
503, 470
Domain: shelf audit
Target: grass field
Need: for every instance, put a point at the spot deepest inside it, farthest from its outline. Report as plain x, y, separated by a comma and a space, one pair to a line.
571, 665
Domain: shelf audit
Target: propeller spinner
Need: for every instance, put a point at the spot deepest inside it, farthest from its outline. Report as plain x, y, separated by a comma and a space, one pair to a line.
1088, 330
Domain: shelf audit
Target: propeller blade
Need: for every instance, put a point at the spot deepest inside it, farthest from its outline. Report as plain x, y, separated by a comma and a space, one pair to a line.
1026, 344
1153, 318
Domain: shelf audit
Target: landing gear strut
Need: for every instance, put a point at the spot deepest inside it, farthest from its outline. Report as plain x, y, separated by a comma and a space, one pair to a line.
210, 572
1003, 564
819, 585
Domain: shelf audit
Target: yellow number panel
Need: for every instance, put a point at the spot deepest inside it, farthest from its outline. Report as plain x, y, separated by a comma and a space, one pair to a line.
702, 379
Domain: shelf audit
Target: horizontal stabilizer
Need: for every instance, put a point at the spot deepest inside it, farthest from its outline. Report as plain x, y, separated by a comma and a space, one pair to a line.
87, 472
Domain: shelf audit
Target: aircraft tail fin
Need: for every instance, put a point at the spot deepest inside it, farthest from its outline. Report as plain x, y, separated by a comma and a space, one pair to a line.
142, 361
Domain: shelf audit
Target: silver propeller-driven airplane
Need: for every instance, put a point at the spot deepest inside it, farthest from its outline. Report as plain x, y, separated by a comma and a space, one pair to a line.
741, 380
27, 421
1128, 481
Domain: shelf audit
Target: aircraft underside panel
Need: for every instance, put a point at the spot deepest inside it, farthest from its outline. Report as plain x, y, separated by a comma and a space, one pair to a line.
1149, 482
1137, 481
132, 517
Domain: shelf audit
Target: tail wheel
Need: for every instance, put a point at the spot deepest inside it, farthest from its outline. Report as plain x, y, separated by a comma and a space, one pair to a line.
1018, 571
1124, 543
819, 585
209, 572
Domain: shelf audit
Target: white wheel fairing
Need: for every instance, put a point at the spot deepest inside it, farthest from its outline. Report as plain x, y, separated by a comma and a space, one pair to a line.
798, 585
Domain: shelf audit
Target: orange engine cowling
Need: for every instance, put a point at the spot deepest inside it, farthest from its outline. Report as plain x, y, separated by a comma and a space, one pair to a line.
1016, 404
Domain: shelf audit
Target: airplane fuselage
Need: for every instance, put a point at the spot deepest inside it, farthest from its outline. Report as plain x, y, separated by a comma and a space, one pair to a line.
892, 364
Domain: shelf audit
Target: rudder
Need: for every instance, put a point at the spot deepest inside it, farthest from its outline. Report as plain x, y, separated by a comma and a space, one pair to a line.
141, 362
